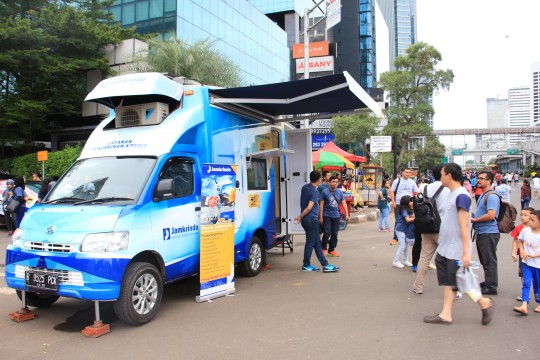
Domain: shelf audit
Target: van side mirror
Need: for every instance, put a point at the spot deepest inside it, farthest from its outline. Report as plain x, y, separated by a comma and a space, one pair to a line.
164, 190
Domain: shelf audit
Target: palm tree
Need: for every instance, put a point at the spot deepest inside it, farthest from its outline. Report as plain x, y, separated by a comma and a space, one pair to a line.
199, 61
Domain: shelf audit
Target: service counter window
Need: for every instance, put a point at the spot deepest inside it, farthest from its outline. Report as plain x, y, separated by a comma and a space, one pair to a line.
257, 175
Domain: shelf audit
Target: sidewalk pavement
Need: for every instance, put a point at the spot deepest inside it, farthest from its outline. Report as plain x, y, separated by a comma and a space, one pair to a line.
364, 214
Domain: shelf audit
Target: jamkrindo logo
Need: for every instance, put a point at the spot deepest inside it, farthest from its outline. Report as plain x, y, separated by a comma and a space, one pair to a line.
175, 232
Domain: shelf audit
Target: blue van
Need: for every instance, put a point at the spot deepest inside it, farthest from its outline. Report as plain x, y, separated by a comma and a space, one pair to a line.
124, 219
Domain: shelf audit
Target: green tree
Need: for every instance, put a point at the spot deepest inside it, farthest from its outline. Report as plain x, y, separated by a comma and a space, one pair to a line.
430, 155
355, 128
410, 87
200, 61
46, 49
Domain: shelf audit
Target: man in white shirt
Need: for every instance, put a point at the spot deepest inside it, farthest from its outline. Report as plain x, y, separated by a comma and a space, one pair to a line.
401, 186
504, 190
431, 241
536, 186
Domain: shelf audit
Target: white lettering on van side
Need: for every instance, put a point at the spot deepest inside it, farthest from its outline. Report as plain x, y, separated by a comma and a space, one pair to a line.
219, 169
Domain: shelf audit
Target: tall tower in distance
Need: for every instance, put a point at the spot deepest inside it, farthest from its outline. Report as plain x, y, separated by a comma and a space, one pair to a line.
519, 110
535, 94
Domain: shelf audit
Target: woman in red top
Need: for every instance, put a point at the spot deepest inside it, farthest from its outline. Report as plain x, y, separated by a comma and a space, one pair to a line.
525, 194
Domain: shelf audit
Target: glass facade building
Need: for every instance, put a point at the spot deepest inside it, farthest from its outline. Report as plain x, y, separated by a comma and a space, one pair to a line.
240, 30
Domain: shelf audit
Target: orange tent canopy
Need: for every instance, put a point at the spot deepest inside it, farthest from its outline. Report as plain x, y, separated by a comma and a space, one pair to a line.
333, 148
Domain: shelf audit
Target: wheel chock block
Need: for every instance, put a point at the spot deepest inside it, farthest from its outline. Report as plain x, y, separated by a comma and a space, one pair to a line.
23, 314
97, 329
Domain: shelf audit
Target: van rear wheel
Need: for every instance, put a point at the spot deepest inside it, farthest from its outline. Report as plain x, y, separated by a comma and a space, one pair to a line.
140, 295
38, 300
253, 264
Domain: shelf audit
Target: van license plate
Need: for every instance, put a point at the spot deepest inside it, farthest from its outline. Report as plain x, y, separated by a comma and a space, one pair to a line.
41, 280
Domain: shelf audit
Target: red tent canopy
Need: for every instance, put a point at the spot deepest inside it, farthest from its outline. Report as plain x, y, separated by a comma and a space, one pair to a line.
331, 147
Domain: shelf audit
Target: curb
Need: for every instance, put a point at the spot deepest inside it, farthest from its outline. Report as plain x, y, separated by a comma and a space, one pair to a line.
370, 215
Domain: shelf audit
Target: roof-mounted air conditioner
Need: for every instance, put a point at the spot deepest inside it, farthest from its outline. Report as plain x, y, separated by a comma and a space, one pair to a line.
141, 114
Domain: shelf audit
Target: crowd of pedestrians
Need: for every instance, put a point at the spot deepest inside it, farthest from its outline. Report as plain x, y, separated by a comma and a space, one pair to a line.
461, 225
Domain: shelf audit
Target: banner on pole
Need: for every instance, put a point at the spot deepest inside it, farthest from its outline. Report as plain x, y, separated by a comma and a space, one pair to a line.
217, 231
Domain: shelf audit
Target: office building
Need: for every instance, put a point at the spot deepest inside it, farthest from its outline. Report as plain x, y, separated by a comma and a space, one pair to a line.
535, 94
496, 112
519, 111
240, 30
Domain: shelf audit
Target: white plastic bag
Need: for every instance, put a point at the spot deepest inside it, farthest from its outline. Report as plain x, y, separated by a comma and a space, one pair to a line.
467, 283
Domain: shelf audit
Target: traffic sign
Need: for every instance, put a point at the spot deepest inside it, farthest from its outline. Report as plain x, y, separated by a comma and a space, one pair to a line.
444, 160
457, 151
512, 151
333, 13
380, 144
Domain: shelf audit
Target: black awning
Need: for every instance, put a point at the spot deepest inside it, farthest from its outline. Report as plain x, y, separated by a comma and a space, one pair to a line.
329, 95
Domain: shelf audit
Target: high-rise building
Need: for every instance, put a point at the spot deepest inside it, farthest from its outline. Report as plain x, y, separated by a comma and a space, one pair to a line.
519, 110
241, 32
535, 94
400, 18
496, 112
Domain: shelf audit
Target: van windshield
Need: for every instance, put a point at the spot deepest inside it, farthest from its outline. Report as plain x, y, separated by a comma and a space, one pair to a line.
99, 180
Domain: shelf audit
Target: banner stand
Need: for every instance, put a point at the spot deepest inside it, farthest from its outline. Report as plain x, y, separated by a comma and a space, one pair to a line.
218, 195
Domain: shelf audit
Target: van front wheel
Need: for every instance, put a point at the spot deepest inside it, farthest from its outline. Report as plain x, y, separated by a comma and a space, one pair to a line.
140, 295
253, 264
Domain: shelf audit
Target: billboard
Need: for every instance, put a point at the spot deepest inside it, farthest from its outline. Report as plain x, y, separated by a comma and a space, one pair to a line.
318, 64
317, 48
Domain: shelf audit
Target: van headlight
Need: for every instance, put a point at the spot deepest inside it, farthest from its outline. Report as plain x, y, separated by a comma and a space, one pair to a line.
17, 237
105, 242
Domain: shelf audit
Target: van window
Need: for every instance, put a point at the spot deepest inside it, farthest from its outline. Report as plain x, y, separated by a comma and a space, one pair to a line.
256, 175
181, 171
99, 178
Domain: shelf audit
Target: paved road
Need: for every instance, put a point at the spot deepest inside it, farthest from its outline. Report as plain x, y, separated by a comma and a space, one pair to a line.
366, 311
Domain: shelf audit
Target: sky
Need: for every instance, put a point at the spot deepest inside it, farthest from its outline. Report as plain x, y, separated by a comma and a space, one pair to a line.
488, 44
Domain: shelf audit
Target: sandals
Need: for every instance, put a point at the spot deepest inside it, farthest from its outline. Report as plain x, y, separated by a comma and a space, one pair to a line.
436, 319
537, 309
521, 310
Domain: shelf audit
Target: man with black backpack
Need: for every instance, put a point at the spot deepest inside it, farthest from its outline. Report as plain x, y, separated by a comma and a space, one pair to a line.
439, 194
485, 225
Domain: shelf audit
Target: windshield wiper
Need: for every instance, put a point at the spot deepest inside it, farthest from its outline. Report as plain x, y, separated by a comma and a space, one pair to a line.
102, 200
63, 200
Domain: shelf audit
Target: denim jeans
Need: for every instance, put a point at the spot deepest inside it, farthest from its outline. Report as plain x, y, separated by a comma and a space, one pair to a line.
525, 202
330, 228
384, 217
313, 241
402, 250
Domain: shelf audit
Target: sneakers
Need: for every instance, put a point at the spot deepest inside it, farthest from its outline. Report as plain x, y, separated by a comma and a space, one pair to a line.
310, 268
393, 242
407, 263
387, 230
397, 264
330, 268
432, 266
325, 252
333, 253
414, 268
380, 229
10, 233
459, 295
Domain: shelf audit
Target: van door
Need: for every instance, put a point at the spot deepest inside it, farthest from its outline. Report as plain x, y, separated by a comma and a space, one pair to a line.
298, 167
175, 220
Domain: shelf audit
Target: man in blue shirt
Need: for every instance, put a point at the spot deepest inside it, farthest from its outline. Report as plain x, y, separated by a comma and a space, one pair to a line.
487, 232
309, 218
329, 215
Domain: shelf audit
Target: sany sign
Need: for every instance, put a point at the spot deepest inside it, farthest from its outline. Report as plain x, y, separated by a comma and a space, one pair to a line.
319, 64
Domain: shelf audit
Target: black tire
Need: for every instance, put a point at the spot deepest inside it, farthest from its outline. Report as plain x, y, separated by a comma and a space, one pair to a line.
342, 222
140, 295
253, 264
38, 300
